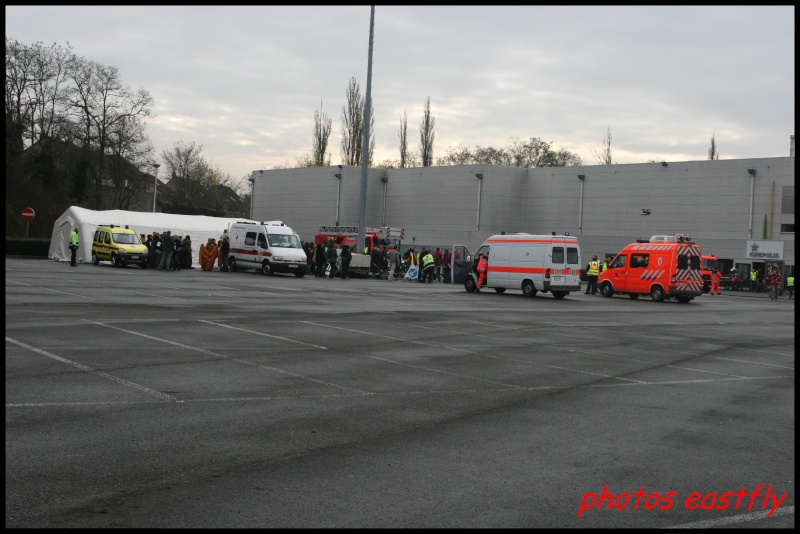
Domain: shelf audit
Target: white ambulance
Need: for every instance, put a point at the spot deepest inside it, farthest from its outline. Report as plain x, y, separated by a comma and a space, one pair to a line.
270, 247
531, 263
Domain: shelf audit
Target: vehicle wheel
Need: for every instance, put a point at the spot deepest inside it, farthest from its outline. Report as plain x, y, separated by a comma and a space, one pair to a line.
657, 294
500, 290
266, 269
528, 289
634, 296
469, 284
684, 299
95, 259
232, 265
606, 290
559, 294
299, 274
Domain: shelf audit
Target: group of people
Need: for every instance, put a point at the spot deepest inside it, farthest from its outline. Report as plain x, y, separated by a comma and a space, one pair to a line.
430, 265
169, 252
322, 259
424, 266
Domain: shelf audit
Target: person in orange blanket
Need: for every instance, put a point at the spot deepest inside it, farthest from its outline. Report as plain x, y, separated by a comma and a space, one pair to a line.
483, 266
208, 255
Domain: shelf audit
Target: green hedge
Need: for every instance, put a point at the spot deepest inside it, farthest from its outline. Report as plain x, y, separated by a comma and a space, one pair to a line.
34, 247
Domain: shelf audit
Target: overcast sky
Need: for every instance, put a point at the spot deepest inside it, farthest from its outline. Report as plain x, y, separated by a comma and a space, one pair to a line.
244, 82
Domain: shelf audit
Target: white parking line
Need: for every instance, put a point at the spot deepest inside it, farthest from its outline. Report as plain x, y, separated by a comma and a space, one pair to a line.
736, 519
94, 371
237, 360
263, 334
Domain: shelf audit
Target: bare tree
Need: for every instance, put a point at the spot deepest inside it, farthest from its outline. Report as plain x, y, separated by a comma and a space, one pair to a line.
403, 134
353, 126
426, 135
322, 134
605, 157
191, 175
103, 104
130, 163
712, 150
531, 153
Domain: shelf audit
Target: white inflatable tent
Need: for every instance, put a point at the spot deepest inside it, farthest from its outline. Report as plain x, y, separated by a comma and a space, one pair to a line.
198, 227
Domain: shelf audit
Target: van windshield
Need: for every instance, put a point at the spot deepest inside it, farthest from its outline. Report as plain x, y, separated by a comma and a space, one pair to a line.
284, 241
126, 239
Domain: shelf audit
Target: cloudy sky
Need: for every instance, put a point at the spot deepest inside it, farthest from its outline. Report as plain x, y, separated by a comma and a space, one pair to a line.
244, 82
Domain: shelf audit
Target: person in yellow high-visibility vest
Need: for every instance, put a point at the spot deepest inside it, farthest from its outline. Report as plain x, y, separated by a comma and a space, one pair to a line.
790, 285
592, 272
74, 242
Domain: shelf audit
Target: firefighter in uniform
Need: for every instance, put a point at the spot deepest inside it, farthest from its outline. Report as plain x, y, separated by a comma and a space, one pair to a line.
483, 266
716, 276
592, 272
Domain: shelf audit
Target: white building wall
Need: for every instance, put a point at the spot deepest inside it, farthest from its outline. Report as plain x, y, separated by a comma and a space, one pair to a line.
438, 206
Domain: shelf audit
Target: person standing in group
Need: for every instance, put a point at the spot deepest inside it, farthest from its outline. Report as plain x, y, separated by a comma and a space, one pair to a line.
428, 265
155, 252
347, 256
332, 256
412, 259
437, 264
775, 282
319, 260
74, 242
446, 266
308, 249
482, 268
166, 251
375, 262
716, 276
176, 253
223, 236
186, 253
754, 280
592, 272
224, 251
393, 257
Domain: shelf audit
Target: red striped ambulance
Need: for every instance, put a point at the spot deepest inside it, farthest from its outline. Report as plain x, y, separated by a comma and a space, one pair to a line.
664, 267
531, 263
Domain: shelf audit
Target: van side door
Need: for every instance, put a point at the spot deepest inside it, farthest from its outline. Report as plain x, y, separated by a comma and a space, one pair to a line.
640, 273
498, 257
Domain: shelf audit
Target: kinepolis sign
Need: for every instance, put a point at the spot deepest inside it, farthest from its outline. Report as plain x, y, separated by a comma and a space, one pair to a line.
764, 250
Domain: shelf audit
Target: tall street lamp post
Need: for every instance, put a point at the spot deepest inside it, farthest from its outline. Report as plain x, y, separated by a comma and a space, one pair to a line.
155, 186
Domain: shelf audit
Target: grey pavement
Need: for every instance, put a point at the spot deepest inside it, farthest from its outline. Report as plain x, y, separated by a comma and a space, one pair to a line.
151, 399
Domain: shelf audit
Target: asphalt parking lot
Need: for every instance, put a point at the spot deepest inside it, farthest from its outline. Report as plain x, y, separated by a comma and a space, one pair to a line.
151, 399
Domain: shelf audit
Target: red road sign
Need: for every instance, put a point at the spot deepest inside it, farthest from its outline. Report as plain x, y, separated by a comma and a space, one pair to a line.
28, 214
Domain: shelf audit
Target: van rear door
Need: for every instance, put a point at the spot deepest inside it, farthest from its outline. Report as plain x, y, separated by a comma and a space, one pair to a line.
461, 263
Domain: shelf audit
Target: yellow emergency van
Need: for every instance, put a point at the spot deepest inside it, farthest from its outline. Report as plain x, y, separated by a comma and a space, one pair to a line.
120, 246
